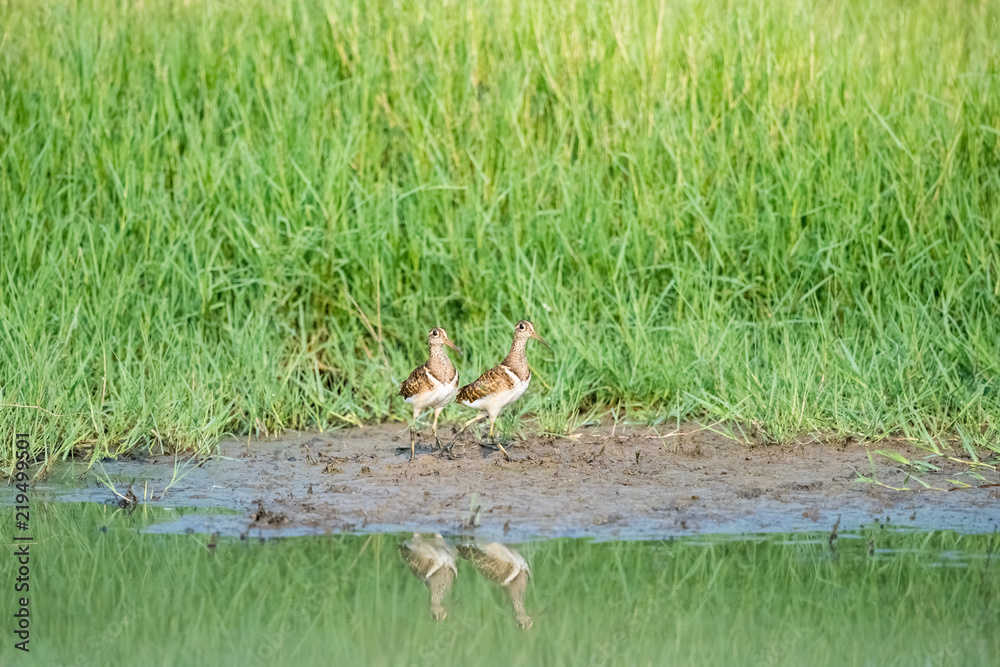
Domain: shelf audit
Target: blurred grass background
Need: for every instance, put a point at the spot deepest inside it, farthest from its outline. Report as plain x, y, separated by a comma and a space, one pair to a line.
245, 216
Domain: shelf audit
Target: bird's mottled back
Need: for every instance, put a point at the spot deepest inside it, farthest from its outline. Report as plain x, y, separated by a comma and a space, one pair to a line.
495, 561
494, 380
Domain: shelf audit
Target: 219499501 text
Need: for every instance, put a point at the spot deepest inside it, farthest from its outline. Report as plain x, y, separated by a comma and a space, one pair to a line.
22, 546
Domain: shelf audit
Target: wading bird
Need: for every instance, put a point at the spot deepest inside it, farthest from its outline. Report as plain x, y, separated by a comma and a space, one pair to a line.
503, 384
506, 567
432, 384
434, 564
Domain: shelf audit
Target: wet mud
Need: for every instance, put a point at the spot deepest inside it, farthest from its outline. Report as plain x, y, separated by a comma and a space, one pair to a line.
605, 482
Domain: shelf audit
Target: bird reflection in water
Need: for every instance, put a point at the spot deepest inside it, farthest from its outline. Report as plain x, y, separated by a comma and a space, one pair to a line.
433, 562
506, 567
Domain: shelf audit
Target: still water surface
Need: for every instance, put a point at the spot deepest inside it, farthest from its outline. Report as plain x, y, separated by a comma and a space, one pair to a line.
111, 588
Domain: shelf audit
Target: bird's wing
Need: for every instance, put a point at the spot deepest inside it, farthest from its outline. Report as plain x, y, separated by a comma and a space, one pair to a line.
492, 562
492, 381
416, 383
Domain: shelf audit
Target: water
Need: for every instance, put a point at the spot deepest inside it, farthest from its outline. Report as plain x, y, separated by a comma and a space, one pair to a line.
113, 588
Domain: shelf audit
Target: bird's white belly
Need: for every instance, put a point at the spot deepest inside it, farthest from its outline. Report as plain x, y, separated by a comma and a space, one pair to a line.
439, 396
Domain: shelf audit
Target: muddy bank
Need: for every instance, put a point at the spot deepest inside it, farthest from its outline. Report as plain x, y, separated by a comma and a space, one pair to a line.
606, 483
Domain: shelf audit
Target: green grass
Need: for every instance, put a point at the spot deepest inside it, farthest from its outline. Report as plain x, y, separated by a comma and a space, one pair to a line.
245, 216
123, 597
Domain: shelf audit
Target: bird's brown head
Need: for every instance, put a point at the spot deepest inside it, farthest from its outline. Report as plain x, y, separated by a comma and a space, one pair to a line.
525, 330
439, 336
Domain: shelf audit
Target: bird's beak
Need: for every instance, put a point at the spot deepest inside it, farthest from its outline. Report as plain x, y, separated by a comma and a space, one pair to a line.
540, 339
453, 346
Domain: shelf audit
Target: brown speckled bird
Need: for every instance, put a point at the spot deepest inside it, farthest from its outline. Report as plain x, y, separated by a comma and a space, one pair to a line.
502, 384
506, 567
432, 384
434, 564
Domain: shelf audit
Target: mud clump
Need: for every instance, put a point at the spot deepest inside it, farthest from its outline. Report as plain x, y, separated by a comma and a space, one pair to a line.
127, 502
263, 518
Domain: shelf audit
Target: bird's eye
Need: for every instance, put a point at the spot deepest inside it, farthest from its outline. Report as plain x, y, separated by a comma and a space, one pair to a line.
434, 333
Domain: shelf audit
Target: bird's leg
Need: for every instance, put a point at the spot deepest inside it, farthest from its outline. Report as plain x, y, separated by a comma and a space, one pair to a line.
413, 433
462, 430
494, 441
434, 428
515, 591
471, 422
